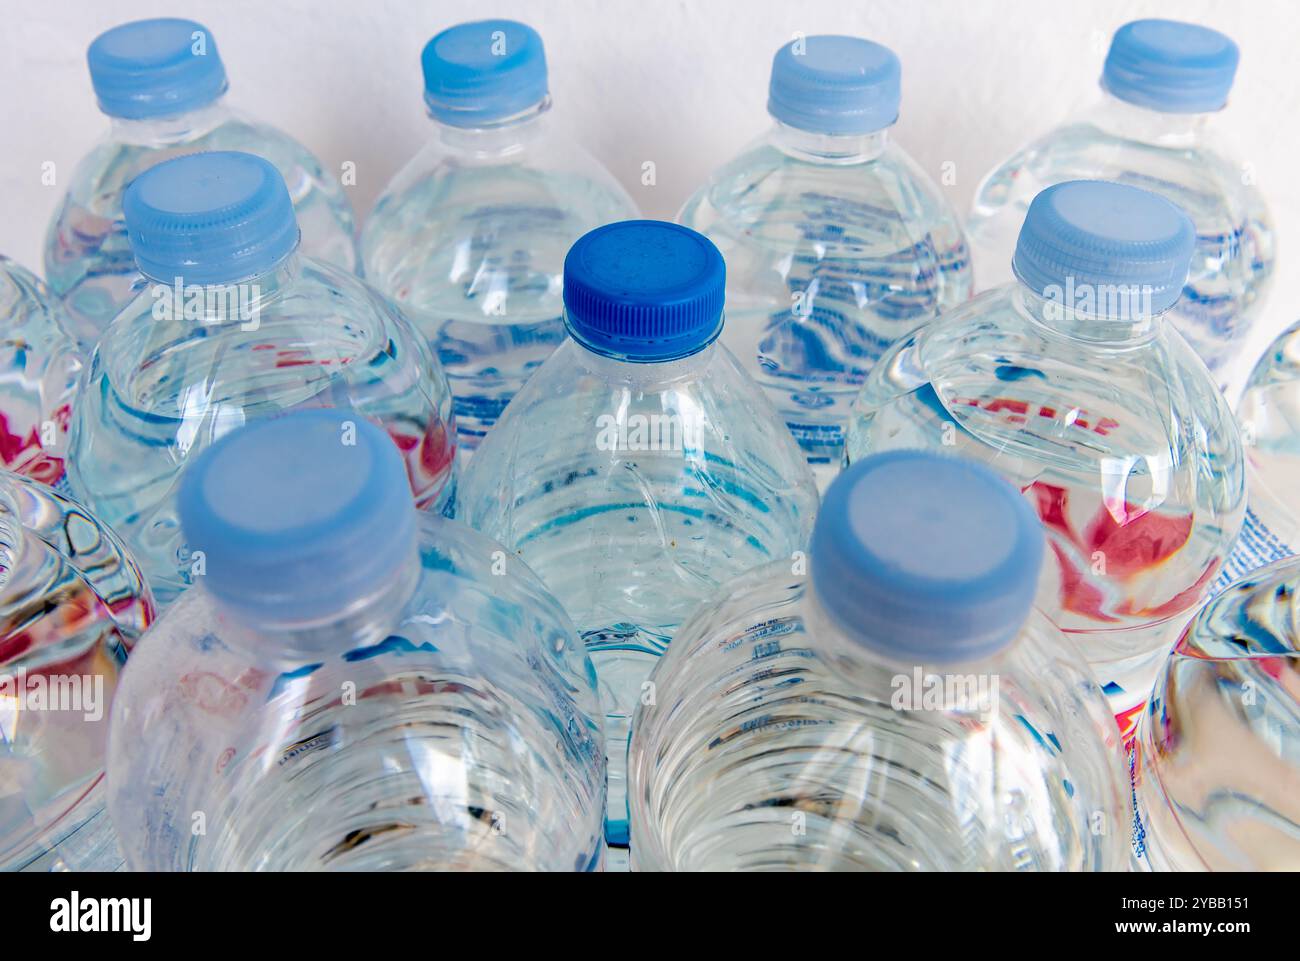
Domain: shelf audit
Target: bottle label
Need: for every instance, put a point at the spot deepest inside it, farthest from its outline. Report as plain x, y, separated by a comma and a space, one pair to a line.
1255, 547
1139, 838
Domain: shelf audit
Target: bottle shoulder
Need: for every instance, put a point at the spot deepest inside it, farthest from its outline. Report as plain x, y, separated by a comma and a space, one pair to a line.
298, 332
467, 590
636, 430
717, 404
547, 169
765, 185
1253, 618
1016, 385
1279, 364
1199, 173
335, 295
111, 164
28, 307
69, 583
452, 236
777, 600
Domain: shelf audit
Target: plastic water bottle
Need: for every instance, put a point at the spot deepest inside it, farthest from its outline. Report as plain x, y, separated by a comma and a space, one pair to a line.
1269, 414
162, 84
352, 685
234, 324
72, 603
1162, 82
1216, 769
640, 468
470, 236
836, 242
1073, 385
899, 707
39, 368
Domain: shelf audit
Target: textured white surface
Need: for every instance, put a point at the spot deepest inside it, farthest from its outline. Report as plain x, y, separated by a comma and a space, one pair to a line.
682, 84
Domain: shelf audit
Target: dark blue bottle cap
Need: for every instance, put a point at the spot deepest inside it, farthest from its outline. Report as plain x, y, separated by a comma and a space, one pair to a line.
644, 291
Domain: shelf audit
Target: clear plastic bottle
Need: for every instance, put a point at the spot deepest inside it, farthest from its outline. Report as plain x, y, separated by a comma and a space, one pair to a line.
72, 603
1073, 385
234, 324
1162, 82
836, 242
469, 237
899, 707
39, 369
640, 468
1269, 414
1216, 768
162, 84
352, 685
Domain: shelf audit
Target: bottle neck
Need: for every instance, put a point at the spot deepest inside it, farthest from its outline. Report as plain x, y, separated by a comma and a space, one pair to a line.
1127, 322
854, 657
168, 131
647, 376
270, 283
830, 149
239, 302
1157, 128
897, 678
360, 623
499, 139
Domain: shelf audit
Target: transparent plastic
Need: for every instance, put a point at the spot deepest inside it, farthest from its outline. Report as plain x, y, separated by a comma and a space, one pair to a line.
635, 491
88, 260
775, 742
39, 368
1118, 436
1216, 771
72, 603
305, 334
449, 722
836, 246
1269, 414
469, 239
1175, 155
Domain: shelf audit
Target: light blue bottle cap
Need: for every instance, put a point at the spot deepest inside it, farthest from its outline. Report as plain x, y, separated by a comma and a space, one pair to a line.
1104, 248
644, 291
209, 218
835, 85
481, 72
1170, 66
299, 517
926, 558
155, 68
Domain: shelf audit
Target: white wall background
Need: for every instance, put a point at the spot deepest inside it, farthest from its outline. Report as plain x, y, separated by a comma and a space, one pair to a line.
679, 82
